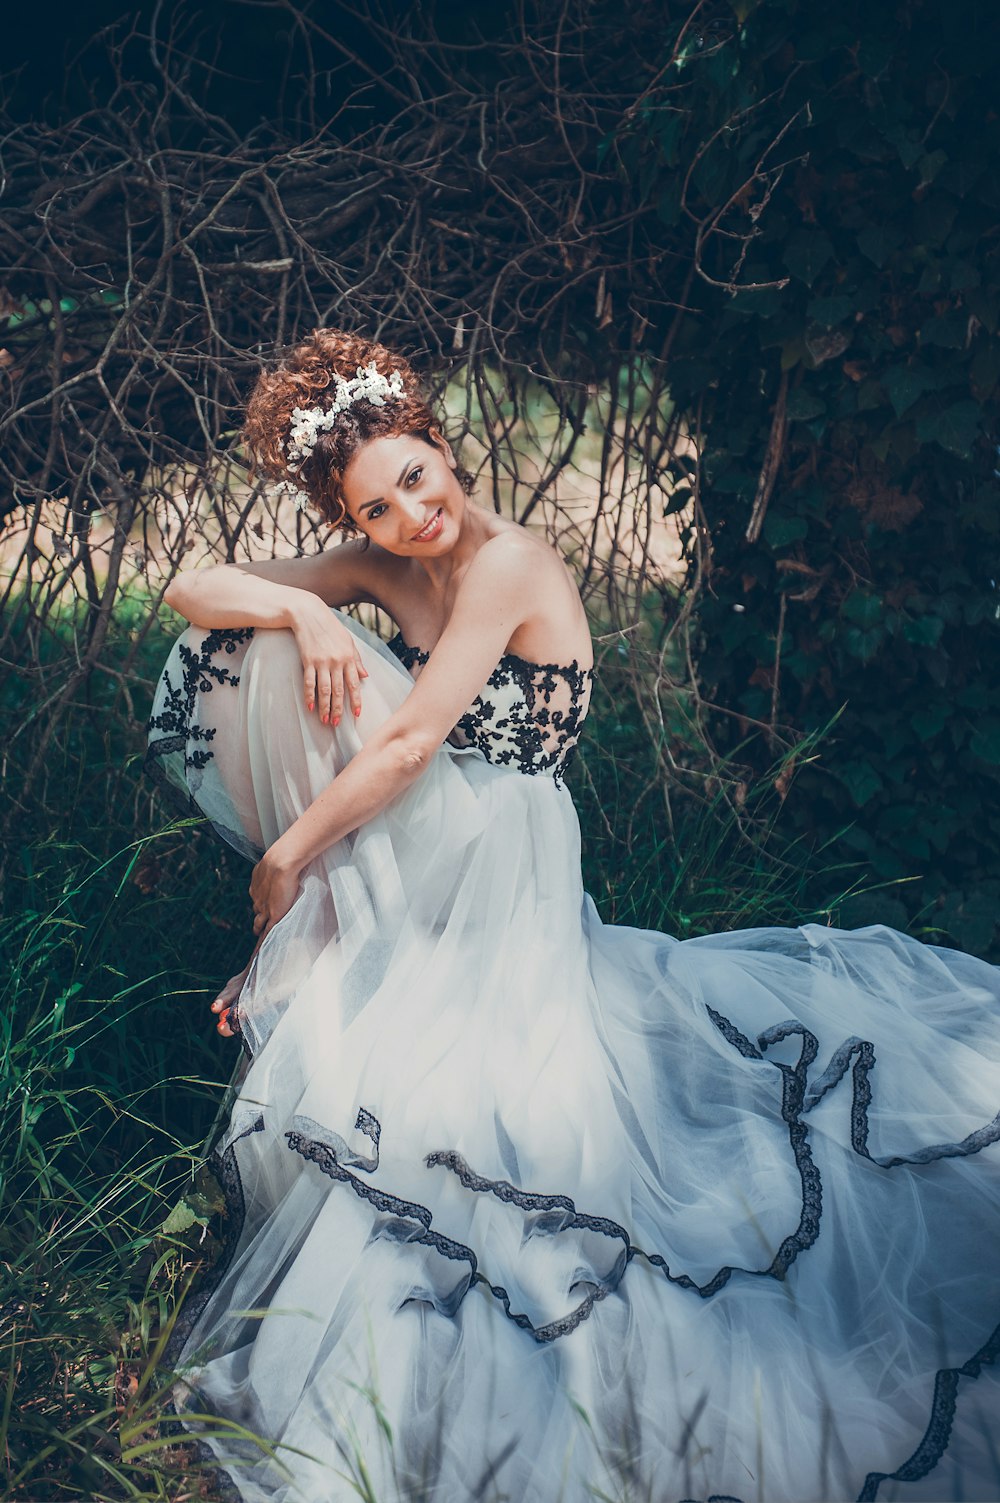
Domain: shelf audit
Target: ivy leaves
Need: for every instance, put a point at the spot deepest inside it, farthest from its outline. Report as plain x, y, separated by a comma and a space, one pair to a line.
874, 252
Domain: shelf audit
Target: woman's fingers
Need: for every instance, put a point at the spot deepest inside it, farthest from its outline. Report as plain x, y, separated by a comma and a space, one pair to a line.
330, 685
324, 697
337, 706
353, 683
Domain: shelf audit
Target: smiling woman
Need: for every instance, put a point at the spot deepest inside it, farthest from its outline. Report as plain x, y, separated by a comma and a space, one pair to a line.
313, 378
413, 500
523, 1205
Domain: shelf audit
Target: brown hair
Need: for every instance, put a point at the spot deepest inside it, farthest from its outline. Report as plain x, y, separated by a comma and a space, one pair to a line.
302, 378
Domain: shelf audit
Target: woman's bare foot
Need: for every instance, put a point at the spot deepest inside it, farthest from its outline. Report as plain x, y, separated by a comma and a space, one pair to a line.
228, 994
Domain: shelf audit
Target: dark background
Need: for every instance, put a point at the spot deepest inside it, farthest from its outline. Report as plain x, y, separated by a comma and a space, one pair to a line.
246, 63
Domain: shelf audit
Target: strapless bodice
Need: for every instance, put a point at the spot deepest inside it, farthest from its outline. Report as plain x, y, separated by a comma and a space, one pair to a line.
529, 716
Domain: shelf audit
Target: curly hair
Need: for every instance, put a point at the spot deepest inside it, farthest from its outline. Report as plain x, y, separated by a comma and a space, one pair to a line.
304, 374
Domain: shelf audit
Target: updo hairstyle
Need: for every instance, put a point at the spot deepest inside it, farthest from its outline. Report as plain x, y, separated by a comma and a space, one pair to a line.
302, 379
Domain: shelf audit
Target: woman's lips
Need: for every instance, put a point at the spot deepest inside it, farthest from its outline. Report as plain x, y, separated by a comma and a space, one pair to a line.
428, 533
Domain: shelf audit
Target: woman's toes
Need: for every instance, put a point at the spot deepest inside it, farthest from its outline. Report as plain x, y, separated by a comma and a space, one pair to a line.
227, 996
228, 993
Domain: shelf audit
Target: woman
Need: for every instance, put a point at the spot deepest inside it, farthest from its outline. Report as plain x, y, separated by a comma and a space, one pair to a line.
522, 1205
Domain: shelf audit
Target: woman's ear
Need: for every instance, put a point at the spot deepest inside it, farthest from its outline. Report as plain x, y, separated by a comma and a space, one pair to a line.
437, 438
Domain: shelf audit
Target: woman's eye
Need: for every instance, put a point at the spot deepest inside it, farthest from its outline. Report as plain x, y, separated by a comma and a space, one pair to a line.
415, 474
376, 512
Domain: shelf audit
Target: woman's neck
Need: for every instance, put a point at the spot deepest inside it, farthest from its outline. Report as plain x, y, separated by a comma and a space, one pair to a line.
443, 573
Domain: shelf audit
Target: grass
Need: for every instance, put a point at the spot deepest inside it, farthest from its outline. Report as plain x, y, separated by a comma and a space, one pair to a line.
104, 1100
118, 925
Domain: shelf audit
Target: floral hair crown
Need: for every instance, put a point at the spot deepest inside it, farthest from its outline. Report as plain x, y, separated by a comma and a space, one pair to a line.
308, 423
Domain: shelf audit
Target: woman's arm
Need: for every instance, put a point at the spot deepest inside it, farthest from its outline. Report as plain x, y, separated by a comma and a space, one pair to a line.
499, 593
271, 594
295, 593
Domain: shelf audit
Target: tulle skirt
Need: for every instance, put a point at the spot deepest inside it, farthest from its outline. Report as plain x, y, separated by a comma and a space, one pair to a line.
525, 1206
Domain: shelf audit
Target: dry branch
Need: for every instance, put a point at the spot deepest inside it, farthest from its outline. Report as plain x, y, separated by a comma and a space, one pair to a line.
151, 258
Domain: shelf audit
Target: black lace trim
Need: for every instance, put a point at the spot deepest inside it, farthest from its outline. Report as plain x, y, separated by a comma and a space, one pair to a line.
935, 1438
412, 1221
805, 1234
227, 1171
235, 1021
798, 1097
534, 737
322, 1153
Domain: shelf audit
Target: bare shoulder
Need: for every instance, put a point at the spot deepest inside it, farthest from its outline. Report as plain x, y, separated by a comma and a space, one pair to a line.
369, 562
521, 580
514, 556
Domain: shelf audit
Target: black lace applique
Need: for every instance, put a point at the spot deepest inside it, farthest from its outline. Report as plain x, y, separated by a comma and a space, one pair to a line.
408, 656
178, 729
533, 720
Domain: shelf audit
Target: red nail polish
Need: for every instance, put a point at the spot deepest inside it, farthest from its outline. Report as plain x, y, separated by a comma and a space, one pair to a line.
357, 710
325, 717
336, 720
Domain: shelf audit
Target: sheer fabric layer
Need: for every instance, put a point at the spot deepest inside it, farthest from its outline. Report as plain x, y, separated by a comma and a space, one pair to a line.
526, 1206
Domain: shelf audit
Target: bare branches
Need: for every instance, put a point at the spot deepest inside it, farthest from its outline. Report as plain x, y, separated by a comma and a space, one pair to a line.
151, 257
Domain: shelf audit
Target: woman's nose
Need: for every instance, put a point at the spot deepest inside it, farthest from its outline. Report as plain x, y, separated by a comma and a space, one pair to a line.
415, 513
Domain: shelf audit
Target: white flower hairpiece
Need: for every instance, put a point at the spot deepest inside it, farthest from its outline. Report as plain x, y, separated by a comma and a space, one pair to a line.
309, 422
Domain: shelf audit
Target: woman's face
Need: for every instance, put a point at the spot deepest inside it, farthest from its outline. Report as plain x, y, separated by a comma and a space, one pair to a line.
403, 492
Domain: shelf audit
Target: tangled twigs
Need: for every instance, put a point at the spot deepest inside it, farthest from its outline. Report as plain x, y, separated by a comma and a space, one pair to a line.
458, 201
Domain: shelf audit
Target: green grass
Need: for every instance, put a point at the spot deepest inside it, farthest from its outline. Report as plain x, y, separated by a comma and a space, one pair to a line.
118, 925
105, 1100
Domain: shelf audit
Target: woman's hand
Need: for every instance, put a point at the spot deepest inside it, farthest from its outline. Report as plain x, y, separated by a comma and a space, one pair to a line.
332, 667
274, 887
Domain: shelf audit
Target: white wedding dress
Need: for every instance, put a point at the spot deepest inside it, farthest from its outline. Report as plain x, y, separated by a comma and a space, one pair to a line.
525, 1206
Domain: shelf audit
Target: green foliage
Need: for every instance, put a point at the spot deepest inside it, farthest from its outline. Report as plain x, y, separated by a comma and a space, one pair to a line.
104, 1101
872, 224
728, 858
116, 927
